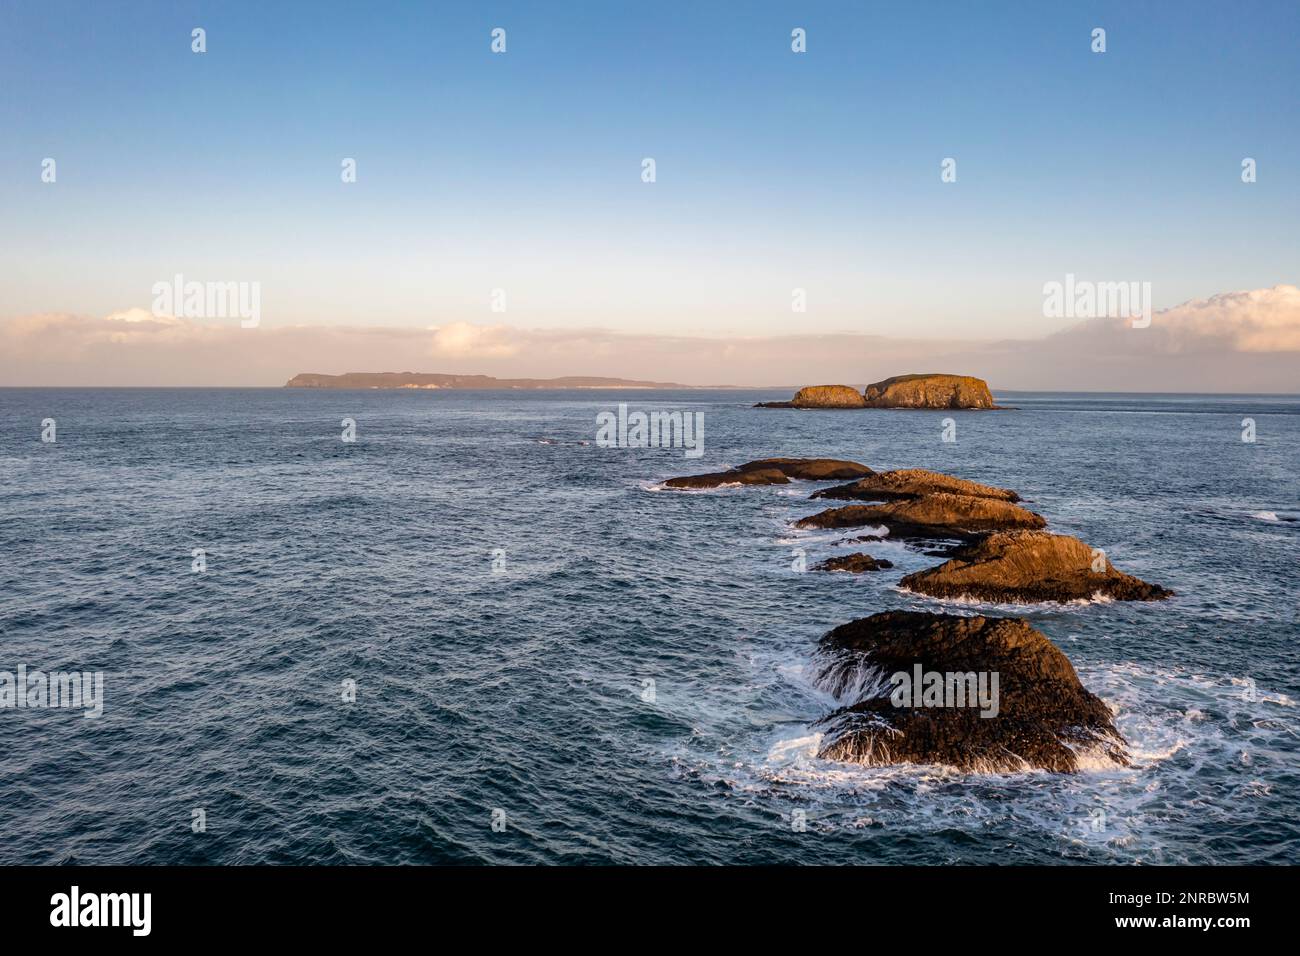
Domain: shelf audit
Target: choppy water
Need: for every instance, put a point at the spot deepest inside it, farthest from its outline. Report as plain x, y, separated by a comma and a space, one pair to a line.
523, 690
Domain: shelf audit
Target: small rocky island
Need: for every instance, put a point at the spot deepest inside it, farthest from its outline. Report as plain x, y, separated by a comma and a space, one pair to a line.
1030, 712
823, 396
856, 563
930, 390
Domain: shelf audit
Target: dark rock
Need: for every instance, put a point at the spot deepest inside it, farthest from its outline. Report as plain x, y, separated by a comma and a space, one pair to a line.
912, 483
812, 469
1044, 718
855, 563
1028, 566
930, 516
775, 471
753, 476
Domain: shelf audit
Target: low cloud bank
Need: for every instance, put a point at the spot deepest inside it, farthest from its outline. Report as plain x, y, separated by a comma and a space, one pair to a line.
1237, 341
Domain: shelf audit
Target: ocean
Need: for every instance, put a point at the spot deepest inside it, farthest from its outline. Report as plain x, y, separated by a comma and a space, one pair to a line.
474, 635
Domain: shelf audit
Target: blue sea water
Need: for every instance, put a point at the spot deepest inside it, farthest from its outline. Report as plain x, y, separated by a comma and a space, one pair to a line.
525, 690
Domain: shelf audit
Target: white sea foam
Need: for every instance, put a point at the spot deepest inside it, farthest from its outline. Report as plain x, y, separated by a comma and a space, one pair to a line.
1179, 726
847, 679
727, 487
785, 751
969, 601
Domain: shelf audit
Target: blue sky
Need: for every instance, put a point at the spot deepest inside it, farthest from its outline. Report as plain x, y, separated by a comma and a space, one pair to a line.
522, 171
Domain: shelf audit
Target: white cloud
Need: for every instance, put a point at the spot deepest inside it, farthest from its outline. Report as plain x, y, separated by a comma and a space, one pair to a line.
461, 339
137, 314
1259, 320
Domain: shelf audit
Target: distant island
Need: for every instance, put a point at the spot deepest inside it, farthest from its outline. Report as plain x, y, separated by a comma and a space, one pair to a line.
436, 380
928, 390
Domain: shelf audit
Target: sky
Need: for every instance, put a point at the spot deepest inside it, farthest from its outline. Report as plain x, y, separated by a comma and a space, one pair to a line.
522, 171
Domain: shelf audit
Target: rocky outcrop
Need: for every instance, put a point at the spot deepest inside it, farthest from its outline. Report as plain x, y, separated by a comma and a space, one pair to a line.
1034, 714
912, 483
856, 563
862, 537
821, 396
902, 391
736, 476
929, 391
1029, 566
938, 515
828, 396
813, 469
775, 471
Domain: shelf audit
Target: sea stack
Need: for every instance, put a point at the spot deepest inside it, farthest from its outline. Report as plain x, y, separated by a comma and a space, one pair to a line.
982, 694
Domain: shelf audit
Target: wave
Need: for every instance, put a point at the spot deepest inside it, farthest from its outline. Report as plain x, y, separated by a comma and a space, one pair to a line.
1017, 607
729, 487
1273, 516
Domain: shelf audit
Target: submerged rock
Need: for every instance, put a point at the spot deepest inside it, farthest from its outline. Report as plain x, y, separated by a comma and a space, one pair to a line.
1005, 698
912, 483
715, 479
855, 563
937, 515
929, 391
775, 471
1029, 566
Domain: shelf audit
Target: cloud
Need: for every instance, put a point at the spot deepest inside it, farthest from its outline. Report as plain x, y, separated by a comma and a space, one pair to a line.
138, 314
461, 339
1236, 341
1260, 320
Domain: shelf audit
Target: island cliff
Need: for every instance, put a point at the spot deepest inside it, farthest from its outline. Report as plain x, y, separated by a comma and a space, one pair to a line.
929, 391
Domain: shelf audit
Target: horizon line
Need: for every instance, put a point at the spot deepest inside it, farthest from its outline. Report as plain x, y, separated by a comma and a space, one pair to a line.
606, 388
